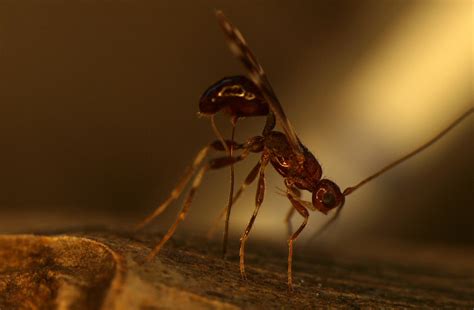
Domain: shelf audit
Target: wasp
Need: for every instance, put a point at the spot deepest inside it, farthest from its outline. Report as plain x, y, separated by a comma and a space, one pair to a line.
249, 96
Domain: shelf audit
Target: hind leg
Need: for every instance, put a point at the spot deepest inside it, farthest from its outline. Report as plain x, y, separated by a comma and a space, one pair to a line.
178, 189
216, 163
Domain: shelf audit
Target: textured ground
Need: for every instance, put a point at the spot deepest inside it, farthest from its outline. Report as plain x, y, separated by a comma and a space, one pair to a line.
103, 270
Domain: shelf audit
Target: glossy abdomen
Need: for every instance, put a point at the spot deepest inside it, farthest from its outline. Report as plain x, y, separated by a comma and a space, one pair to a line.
235, 95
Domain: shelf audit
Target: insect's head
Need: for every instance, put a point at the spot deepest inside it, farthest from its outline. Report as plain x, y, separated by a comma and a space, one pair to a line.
327, 196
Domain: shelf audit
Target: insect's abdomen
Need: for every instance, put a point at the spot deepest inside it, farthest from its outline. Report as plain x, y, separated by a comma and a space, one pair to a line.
236, 95
305, 174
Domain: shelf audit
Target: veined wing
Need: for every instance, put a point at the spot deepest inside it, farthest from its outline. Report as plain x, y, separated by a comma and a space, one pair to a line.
240, 49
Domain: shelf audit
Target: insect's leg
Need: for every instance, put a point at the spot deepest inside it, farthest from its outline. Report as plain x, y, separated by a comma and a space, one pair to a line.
254, 145
289, 215
215, 163
258, 201
304, 212
219, 134
178, 188
248, 180
326, 225
269, 124
230, 201
197, 181
216, 145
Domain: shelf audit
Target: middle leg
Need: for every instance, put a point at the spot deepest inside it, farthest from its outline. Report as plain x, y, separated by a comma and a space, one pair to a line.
258, 202
248, 180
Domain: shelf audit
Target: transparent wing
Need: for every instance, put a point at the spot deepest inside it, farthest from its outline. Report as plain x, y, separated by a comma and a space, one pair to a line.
240, 49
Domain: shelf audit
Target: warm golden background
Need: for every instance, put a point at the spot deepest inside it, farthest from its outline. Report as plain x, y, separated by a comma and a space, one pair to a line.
98, 105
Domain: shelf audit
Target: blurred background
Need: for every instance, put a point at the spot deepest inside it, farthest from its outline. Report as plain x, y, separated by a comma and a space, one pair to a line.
98, 104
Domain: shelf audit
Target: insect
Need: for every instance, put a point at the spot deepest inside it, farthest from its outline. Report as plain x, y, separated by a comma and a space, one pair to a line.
253, 96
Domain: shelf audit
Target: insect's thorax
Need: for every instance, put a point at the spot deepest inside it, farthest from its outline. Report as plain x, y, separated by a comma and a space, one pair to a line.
304, 175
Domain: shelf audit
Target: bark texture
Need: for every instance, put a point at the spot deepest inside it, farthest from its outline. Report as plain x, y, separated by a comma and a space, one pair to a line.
105, 270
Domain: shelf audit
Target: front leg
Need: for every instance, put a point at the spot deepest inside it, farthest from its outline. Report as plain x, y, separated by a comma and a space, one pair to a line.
304, 212
296, 193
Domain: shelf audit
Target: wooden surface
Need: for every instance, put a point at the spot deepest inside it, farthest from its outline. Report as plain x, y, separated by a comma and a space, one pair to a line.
103, 270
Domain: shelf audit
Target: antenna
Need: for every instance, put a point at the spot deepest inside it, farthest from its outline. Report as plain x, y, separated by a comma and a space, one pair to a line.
351, 189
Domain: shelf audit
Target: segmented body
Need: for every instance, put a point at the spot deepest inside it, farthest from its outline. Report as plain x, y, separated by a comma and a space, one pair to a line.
304, 175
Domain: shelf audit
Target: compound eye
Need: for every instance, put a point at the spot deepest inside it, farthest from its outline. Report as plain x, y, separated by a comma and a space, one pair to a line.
327, 196
329, 200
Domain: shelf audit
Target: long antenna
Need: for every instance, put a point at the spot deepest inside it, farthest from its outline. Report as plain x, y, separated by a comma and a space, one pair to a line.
351, 189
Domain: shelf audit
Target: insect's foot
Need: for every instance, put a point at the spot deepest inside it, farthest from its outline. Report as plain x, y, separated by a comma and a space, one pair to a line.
153, 253
243, 275
290, 288
149, 257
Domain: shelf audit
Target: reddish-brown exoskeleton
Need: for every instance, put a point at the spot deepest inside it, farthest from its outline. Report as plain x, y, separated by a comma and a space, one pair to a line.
253, 96
237, 97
